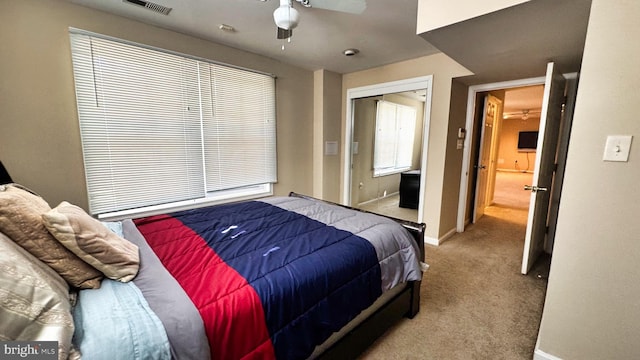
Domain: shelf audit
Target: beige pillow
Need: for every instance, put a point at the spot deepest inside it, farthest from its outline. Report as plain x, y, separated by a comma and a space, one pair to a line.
34, 299
93, 242
21, 220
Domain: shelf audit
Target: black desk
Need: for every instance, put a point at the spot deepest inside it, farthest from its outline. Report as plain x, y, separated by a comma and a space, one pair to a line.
410, 189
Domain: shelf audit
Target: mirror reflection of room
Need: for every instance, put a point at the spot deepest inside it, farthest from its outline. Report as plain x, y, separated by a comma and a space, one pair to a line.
386, 153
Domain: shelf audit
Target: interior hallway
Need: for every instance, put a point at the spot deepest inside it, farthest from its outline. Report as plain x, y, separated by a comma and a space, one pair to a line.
475, 303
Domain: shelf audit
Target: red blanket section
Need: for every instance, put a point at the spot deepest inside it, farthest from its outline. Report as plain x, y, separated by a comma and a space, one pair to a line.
229, 306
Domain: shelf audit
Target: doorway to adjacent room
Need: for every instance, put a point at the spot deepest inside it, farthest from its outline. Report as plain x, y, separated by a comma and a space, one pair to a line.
527, 148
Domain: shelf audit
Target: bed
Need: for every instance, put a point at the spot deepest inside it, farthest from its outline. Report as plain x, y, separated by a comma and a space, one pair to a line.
284, 277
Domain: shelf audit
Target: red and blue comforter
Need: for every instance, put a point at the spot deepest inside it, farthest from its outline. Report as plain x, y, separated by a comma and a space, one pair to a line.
275, 278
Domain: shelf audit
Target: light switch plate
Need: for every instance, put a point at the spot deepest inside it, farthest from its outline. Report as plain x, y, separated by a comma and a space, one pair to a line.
617, 148
331, 148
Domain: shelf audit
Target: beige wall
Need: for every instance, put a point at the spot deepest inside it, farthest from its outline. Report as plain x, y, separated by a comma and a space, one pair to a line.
39, 133
332, 109
592, 308
327, 95
433, 14
508, 152
453, 168
318, 133
364, 186
443, 70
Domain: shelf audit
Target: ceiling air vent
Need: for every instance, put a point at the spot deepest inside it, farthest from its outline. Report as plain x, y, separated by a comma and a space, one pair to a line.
151, 6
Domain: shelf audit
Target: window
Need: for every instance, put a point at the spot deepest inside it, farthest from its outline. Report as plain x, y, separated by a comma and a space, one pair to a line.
394, 137
163, 128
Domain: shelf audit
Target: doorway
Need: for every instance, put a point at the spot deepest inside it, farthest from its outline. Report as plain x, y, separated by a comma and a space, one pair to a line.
548, 169
511, 123
475, 106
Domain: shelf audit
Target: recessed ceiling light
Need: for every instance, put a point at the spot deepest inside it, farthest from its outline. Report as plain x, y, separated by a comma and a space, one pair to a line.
350, 52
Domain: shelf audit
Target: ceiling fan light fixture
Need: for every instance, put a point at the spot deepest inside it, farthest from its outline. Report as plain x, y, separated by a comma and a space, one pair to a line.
285, 16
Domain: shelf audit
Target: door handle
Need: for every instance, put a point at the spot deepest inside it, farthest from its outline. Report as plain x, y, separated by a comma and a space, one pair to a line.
534, 188
482, 167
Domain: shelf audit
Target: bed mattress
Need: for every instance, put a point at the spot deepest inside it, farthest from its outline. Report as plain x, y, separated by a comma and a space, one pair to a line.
269, 279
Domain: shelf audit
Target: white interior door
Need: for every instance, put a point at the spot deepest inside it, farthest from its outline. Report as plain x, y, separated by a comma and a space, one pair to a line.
491, 106
494, 149
544, 167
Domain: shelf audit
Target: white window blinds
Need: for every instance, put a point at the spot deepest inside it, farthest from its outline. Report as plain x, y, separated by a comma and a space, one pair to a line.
239, 140
158, 127
394, 138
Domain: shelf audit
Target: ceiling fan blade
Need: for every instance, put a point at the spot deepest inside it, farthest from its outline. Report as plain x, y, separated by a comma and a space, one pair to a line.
348, 6
284, 34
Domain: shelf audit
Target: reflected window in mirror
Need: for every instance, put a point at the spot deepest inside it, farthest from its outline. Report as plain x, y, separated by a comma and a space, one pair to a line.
395, 132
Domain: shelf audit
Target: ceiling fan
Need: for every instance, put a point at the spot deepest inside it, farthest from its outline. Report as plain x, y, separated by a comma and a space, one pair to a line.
287, 17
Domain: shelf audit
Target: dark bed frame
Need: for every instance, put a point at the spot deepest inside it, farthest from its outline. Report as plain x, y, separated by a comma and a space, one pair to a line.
405, 304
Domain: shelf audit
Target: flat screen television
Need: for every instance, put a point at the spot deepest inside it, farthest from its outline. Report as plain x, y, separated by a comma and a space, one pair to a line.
527, 141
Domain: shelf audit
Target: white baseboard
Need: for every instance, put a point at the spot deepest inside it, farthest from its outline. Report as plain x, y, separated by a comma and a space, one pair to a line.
541, 355
515, 171
379, 198
448, 235
436, 242
431, 241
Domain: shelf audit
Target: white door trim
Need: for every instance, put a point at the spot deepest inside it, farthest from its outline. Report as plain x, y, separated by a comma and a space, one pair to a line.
417, 83
466, 153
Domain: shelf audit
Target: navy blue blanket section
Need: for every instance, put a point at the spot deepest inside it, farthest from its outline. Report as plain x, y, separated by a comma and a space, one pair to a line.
312, 278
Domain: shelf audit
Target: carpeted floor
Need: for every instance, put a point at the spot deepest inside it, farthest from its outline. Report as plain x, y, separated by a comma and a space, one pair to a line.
510, 189
475, 303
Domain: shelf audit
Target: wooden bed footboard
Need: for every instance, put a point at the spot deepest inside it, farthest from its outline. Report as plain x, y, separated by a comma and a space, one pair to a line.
405, 304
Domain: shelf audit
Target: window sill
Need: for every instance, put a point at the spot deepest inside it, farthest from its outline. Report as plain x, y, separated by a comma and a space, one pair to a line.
248, 193
391, 172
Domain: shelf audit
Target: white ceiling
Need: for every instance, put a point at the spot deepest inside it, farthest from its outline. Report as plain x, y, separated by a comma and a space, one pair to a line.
513, 43
524, 98
527, 98
384, 33
517, 42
